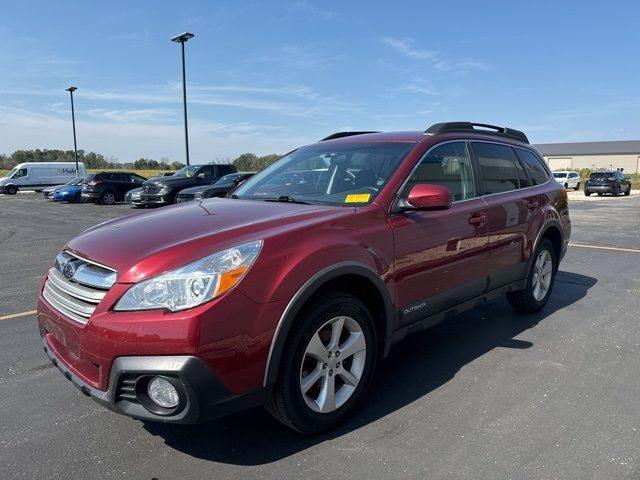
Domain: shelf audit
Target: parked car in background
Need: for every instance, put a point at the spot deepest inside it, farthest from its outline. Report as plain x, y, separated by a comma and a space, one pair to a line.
290, 299
163, 191
608, 181
69, 193
109, 187
219, 188
133, 197
39, 175
569, 179
48, 192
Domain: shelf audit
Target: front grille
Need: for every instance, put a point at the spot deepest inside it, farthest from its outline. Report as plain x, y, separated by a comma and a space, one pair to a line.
149, 189
184, 197
76, 286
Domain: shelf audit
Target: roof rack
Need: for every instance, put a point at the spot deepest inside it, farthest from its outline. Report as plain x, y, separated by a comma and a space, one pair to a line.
505, 132
344, 134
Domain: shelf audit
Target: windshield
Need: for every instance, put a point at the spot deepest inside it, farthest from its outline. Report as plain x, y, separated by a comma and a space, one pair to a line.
560, 175
13, 170
332, 174
227, 180
187, 171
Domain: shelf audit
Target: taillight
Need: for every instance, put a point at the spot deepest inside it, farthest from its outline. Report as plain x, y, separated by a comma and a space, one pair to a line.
611, 179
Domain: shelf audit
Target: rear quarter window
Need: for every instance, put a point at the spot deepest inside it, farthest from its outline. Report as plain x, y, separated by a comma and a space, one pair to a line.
534, 166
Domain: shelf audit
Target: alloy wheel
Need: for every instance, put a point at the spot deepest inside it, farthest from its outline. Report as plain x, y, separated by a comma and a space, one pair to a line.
333, 364
108, 198
542, 273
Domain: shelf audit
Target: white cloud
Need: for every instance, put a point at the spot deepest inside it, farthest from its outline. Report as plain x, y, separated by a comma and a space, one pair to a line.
440, 61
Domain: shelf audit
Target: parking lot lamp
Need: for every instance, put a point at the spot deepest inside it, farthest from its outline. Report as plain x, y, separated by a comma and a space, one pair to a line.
182, 39
73, 122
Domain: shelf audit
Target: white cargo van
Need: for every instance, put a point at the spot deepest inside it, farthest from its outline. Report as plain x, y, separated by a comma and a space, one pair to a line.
36, 176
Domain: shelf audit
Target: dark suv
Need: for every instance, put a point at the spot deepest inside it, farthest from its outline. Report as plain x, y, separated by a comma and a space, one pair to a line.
288, 292
109, 187
161, 191
219, 188
614, 182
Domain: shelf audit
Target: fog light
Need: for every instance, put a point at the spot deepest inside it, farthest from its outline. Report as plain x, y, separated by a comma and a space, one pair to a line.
163, 393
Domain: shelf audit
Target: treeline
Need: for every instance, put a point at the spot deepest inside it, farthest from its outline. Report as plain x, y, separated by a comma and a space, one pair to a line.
248, 162
90, 160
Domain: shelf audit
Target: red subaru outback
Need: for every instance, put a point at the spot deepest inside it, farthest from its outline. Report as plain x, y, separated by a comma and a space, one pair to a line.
288, 292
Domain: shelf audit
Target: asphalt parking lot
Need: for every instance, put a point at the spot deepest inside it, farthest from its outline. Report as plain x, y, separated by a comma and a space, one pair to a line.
489, 394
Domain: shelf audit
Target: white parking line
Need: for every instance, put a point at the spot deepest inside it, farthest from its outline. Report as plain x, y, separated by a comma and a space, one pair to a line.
600, 247
17, 315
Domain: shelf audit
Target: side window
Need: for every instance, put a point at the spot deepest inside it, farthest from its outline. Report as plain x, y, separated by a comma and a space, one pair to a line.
21, 173
106, 176
207, 170
532, 163
120, 177
136, 178
499, 168
447, 165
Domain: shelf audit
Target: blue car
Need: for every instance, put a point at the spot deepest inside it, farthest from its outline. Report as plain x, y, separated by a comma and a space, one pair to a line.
70, 193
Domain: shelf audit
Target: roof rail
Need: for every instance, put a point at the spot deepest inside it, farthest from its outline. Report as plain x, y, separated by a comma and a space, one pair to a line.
344, 134
505, 132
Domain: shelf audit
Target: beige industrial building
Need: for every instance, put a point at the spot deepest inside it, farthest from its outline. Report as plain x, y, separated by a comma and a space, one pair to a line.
574, 156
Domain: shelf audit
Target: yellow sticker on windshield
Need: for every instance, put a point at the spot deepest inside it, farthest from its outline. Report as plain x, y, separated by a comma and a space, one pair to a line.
357, 198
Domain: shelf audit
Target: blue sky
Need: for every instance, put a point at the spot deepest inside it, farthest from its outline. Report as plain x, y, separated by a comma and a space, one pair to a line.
266, 77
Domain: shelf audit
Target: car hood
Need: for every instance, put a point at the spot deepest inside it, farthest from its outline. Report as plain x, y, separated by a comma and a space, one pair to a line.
194, 190
145, 245
53, 188
171, 181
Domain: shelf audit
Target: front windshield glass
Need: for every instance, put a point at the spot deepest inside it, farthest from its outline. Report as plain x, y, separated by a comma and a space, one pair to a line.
226, 181
187, 171
325, 173
13, 170
559, 175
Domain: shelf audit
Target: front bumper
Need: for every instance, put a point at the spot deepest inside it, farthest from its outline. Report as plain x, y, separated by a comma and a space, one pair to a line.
202, 395
155, 198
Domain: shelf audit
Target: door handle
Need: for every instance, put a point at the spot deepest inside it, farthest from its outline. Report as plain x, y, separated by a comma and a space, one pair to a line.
533, 204
477, 219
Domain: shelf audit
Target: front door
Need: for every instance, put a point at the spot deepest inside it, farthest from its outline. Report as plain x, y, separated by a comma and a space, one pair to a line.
440, 255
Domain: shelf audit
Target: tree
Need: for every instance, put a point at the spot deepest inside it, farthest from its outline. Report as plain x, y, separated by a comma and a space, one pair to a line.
245, 161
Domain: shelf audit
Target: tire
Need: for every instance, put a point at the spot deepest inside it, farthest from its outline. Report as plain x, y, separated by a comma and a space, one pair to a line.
577, 186
587, 193
309, 340
77, 198
600, 194
616, 191
108, 198
532, 299
566, 186
10, 190
627, 191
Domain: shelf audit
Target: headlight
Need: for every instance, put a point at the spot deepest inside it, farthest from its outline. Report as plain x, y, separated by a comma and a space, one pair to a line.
164, 189
193, 284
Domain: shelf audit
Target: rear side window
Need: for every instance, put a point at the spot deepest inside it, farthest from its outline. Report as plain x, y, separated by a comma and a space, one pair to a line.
104, 176
447, 165
534, 166
500, 170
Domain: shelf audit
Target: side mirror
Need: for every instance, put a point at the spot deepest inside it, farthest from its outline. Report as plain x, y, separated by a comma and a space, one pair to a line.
427, 196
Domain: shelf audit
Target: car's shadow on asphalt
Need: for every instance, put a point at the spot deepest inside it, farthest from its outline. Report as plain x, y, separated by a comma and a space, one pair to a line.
415, 367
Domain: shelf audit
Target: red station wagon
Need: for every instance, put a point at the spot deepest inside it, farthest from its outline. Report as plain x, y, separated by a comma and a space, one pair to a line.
288, 292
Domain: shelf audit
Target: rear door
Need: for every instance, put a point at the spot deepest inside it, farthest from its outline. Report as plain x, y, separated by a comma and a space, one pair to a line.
511, 206
440, 254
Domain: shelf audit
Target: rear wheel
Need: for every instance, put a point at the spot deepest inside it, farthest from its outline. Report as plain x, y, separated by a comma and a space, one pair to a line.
539, 281
599, 194
10, 190
108, 198
566, 186
577, 186
627, 191
616, 191
587, 193
328, 361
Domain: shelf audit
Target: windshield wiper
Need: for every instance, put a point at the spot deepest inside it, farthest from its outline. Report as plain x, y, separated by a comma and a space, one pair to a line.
285, 199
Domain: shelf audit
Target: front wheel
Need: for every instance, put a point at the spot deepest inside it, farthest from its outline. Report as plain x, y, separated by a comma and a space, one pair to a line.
587, 193
616, 191
577, 186
10, 190
328, 361
627, 191
540, 281
108, 198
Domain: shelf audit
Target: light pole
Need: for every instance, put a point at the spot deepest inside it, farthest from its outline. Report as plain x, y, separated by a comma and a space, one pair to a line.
182, 39
73, 122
